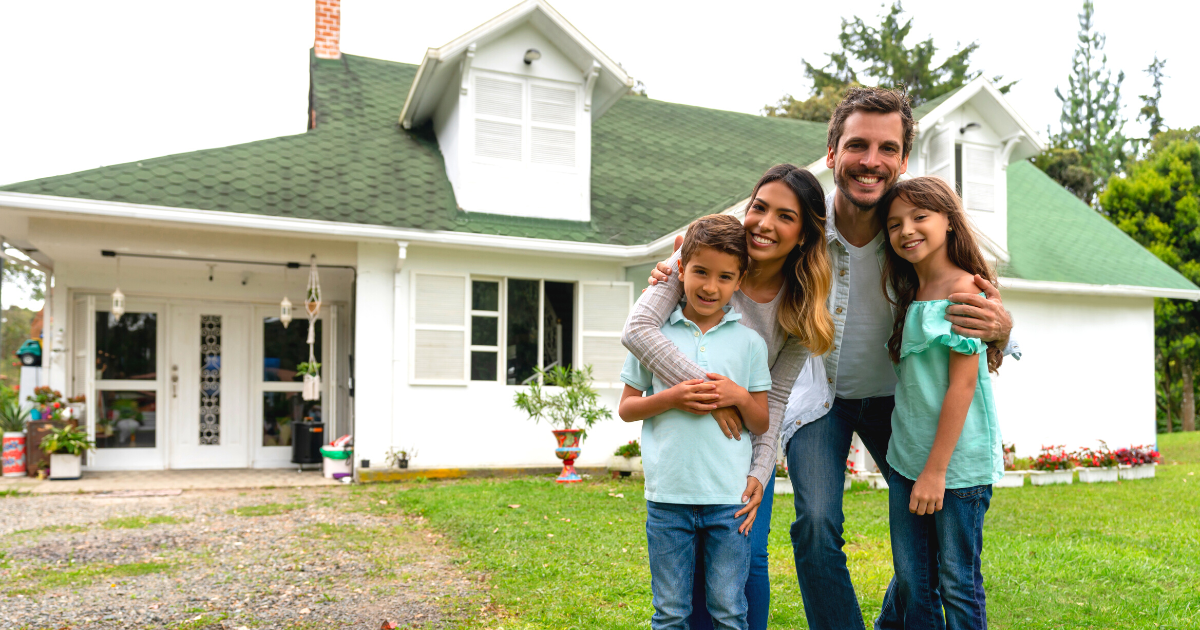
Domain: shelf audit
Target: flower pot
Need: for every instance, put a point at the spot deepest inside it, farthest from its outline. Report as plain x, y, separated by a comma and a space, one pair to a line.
14, 454
624, 466
1097, 475
846, 486
1013, 479
404, 463
1052, 477
1141, 471
783, 485
65, 466
876, 481
568, 451
77, 410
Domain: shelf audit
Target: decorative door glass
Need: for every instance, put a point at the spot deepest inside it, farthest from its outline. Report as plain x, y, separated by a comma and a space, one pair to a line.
210, 379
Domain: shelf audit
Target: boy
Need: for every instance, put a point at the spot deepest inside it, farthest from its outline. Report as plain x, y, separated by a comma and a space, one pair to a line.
694, 474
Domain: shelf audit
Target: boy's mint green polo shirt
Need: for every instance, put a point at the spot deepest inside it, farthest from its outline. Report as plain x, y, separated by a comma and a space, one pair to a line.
686, 457
924, 371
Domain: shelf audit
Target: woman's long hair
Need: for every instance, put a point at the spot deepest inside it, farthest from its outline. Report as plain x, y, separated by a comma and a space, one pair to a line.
935, 195
807, 273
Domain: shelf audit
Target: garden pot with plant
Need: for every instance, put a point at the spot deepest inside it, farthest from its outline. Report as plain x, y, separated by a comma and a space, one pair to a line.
399, 458
66, 447
1137, 462
1016, 469
564, 397
12, 421
78, 405
1096, 466
1054, 465
626, 460
783, 484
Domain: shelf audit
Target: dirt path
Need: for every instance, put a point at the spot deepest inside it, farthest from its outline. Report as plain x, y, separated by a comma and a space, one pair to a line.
297, 558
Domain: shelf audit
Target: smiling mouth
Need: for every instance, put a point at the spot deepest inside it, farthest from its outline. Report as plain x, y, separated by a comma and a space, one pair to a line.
867, 180
912, 244
705, 301
761, 241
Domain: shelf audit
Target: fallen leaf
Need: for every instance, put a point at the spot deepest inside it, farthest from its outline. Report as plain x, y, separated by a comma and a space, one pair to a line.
514, 505
388, 625
549, 535
383, 502
304, 611
495, 530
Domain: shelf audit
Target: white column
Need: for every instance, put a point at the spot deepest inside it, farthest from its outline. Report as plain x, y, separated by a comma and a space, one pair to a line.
374, 336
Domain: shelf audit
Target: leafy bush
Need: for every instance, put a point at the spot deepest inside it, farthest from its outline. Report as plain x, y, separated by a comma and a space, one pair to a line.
577, 401
632, 449
68, 440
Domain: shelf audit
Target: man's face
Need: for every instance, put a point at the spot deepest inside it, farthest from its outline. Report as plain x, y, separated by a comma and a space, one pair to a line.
869, 157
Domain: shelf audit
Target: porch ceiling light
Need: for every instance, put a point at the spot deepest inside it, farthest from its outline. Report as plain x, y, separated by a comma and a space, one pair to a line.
532, 55
285, 312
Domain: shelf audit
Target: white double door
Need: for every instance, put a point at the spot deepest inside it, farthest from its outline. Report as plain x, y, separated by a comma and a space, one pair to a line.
208, 385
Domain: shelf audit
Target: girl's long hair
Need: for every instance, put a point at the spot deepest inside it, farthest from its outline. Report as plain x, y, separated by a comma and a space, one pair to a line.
807, 272
935, 195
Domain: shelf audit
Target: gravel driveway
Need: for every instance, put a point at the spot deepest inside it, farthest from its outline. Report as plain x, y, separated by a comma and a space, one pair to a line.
310, 558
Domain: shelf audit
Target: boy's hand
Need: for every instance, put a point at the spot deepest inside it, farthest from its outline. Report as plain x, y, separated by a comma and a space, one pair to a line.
729, 419
927, 493
729, 393
752, 497
694, 396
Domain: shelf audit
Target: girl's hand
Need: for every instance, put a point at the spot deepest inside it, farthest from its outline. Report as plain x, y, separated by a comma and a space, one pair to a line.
927, 494
694, 396
752, 497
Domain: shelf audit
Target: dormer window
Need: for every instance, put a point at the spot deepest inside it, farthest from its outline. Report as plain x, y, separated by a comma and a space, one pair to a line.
527, 120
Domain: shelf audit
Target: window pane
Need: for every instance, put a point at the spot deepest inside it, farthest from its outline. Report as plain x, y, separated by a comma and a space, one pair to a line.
285, 348
485, 331
126, 348
483, 366
210, 379
485, 296
522, 328
126, 419
280, 411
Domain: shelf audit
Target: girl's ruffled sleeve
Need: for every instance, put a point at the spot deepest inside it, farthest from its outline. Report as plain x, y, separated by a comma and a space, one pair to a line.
928, 326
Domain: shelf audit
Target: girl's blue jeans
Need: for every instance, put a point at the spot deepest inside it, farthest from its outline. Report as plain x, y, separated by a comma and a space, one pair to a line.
673, 533
758, 584
936, 557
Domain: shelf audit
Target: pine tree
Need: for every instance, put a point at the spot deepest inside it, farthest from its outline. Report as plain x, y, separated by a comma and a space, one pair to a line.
1150, 112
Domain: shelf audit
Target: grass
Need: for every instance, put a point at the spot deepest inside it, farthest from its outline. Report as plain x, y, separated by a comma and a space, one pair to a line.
138, 522
1080, 556
266, 509
43, 579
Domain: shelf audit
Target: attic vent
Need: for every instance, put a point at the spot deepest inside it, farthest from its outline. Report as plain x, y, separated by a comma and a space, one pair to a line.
494, 97
553, 146
553, 105
979, 178
498, 140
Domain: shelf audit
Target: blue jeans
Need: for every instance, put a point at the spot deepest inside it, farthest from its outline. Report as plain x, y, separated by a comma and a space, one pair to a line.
673, 532
936, 557
758, 585
816, 457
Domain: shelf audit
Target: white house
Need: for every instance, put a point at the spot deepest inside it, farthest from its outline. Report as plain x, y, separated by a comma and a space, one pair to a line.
493, 210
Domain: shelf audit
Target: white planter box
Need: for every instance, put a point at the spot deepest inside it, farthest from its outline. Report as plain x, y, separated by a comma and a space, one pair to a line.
1129, 473
846, 488
1051, 477
783, 485
625, 464
1097, 475
65, 466
1013, 479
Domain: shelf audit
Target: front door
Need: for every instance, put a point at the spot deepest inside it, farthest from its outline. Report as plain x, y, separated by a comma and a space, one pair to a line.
208, 386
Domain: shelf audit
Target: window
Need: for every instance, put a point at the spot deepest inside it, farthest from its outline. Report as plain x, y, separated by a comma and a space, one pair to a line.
126, 380
485, 330
525, 120
283, 350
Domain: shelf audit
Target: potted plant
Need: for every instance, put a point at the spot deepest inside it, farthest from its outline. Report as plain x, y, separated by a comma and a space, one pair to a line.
1054, 465
1137, 462
65, 447
626, 460
1016, 469
45, 400
1010, 453
574, 401
78, 405
783, 484
399, 458
851, 473
311, 371
1096, 466
12, 421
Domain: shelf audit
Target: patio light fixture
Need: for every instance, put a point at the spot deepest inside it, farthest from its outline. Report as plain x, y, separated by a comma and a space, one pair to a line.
118, 298
532, 55
285, 312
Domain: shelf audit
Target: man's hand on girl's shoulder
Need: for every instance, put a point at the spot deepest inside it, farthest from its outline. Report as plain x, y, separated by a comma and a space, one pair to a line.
980, 317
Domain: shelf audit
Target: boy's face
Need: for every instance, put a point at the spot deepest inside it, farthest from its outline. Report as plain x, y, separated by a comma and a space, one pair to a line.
709, 279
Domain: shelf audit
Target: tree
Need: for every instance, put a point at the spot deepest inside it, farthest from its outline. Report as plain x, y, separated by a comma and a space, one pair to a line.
1158, 204
879, 56
1149, 111
1091, 121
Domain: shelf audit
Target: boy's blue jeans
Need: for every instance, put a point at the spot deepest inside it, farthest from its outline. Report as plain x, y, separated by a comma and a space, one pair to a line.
672, 533
936, 557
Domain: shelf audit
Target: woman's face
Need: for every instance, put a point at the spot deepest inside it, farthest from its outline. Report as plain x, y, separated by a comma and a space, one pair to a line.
772, 222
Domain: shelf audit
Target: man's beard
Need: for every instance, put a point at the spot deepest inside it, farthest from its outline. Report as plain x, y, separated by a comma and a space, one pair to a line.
839, 180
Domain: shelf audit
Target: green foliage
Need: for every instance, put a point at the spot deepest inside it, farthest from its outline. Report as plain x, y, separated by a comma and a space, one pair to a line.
1149, 111
1070, 169
878, 55
68, 439
1091, 123
16, 329
31, 280
632, 449
306, 368
12, 418
577, 400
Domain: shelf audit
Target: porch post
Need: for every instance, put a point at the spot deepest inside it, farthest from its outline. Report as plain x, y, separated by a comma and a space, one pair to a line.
374, 344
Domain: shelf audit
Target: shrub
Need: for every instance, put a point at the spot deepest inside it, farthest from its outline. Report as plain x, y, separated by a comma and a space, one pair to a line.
632, 449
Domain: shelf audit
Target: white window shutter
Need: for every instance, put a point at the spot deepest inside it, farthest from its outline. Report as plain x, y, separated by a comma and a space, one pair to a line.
499, 113
604, 306
552, 146
495, 97
979, 178
438, 321
497, 140
552, 105
940, 160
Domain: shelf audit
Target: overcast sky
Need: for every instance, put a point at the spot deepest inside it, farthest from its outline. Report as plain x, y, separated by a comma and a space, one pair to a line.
90, 83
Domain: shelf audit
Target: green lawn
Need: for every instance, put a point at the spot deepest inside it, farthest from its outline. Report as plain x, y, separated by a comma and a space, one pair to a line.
1124, 555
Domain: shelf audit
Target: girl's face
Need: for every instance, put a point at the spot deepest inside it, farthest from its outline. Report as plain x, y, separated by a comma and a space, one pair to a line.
916, 233
772, 222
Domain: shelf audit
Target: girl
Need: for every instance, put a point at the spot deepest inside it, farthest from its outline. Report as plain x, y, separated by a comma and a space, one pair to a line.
945, 451
782, 298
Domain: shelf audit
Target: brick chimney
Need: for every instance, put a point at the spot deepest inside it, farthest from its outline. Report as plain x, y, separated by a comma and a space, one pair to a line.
329, 29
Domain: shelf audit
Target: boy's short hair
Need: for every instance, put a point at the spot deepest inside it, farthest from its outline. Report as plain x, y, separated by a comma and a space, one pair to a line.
720, 232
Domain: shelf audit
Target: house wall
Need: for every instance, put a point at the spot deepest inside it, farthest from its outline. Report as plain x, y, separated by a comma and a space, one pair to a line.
1087, 372
460, 426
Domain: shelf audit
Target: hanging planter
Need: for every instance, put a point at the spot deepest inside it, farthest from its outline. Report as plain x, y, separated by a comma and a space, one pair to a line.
312, 379
312, 306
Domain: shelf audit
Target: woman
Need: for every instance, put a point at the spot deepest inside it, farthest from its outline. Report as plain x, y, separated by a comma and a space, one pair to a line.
783, 299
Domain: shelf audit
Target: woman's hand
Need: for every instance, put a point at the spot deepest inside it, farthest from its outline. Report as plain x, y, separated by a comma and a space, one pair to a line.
927, 494
980, 317
752, 497
695, 396
663, 269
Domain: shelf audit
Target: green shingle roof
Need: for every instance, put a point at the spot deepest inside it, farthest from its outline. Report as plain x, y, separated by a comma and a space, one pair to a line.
655, 166
1054, 236
929, 105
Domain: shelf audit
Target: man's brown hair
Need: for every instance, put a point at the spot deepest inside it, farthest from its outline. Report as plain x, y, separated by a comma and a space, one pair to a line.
877, 101
720, 232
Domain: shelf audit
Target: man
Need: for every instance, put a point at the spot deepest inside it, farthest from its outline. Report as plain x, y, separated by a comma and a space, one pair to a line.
869, 140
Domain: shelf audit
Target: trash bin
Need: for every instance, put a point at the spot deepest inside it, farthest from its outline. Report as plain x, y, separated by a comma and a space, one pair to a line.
307, 438
337, 461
